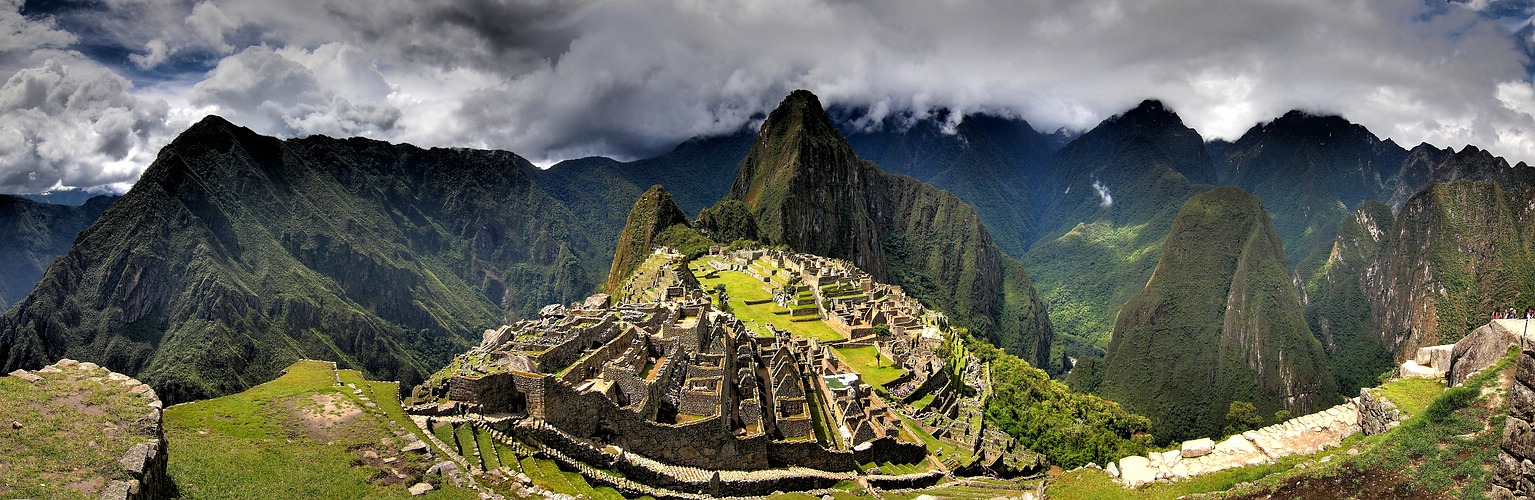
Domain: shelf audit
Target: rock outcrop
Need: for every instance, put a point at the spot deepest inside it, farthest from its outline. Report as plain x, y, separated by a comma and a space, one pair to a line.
1514, 471
1483, 347
652, 213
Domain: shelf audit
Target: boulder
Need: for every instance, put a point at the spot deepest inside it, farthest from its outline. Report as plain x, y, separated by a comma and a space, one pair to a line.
1411, 369
1437, 357
1136, 470
1197, 448
443, 467
419, 489
25, 375
1480, 349
416, 447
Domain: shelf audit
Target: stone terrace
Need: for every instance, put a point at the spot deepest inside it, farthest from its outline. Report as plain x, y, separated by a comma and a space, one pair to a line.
75, 429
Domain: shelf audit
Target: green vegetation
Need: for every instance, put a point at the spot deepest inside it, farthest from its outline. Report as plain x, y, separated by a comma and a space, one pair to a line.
1241, 417
1069, 428
874, 369
73, 431
1203, 331
1412, 395
295, 437
750, 302
730, 220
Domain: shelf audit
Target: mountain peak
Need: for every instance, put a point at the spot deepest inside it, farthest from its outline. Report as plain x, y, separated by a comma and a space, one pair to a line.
652, 214
1150, 113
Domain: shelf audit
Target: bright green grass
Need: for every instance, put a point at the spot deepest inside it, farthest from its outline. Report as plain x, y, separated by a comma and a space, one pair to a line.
465, 437
742, 289
956, 493
1412, 395
237, 445
487, 451
62, 441
935, 445
873, 368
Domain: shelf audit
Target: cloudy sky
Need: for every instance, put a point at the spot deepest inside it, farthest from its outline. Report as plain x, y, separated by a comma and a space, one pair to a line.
94, 88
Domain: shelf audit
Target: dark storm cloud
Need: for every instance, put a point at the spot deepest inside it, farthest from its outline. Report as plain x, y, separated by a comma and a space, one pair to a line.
557, 79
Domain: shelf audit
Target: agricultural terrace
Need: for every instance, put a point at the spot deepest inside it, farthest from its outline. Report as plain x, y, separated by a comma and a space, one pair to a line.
750, 301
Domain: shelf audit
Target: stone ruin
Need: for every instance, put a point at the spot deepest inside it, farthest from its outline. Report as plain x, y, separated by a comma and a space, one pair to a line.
143, 462
1514, 471
658, 384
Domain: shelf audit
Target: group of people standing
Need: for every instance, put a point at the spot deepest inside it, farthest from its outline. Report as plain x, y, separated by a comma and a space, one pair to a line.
1511, 313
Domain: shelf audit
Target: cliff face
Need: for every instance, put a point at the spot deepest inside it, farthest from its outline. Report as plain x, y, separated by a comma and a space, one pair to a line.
652, 213
36, 233
808, 190
236, 254
1219, 321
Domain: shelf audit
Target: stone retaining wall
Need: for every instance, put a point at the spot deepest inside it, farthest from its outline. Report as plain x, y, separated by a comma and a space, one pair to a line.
1377, 414
1300, 435
144, 461
1514, 472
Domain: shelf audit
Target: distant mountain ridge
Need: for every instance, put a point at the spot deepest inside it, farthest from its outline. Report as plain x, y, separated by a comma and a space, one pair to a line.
34, 233
236, 254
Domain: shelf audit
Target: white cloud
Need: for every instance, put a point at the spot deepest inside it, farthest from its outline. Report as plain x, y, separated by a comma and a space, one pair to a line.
554, 79
75, 126
1105, 199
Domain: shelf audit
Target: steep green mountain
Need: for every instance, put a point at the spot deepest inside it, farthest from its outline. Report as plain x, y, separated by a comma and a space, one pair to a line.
999, 166
1455, 252
236, 254
698, 173
34, 234
1218, 322
728, 221
652, 213
1120, 188
1338, 309
808, 190
1310, 171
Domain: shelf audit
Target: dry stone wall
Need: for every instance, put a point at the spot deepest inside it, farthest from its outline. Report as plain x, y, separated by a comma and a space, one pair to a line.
1514, 472
1377, 414
1300, 435
145, 460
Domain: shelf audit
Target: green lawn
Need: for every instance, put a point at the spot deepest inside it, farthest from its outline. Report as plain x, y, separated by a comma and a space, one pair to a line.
935, 445
294, 437
873, 368
1412, 395
742, 289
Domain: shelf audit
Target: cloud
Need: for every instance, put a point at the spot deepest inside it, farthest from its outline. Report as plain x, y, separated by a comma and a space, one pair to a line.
75, 126
554, 79
1102, 190
277, 92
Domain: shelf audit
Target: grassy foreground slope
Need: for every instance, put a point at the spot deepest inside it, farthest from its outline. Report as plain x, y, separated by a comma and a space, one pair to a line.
299, 436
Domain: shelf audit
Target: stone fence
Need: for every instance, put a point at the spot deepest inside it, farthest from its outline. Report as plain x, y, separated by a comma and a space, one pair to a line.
1300, 435
1514, 472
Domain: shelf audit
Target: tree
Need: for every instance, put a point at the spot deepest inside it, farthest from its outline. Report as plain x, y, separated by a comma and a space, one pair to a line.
1242, 416
1281, 416
881, 331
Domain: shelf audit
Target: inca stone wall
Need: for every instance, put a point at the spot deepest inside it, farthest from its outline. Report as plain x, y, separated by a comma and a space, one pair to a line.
1514, 472
1377, 414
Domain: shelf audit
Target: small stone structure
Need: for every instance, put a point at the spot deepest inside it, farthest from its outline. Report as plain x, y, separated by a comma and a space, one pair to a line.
1300, 435
1377, 414
1514, 471
144, 461
1430, 362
